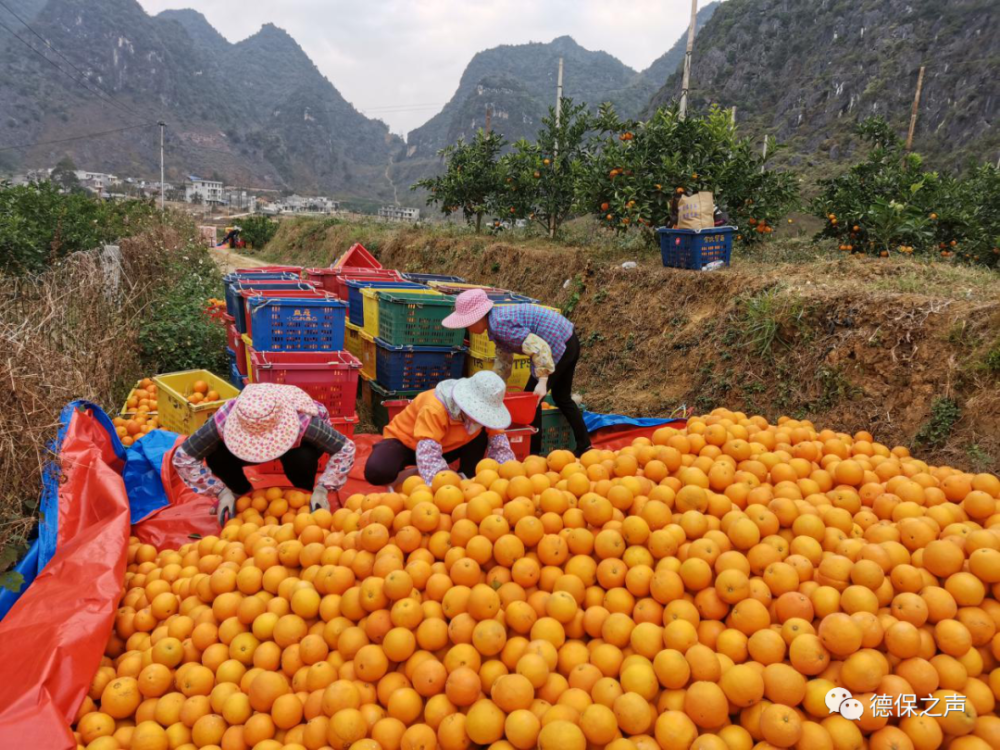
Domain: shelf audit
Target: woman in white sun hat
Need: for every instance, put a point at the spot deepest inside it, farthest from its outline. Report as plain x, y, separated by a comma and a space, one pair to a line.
460, 420
266, 422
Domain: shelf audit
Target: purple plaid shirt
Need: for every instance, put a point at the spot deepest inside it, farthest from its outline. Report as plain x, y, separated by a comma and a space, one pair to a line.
509, 325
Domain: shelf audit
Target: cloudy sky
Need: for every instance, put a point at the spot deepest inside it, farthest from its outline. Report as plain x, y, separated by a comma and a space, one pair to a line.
401, 60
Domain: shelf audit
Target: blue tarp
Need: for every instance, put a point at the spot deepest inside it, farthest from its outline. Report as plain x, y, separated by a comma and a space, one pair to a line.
596, 422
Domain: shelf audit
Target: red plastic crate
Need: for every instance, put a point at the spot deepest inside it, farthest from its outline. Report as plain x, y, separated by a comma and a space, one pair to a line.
340, 277
522, 407
232, 336
520, 441
271, 269
328, 377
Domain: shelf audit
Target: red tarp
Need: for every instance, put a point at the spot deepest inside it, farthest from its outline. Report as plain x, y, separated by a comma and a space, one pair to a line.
52, 640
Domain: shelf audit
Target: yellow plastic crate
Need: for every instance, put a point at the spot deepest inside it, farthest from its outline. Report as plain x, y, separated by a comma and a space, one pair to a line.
179, 415
519, 374
370, 297
249, 344
368, 354
352, 340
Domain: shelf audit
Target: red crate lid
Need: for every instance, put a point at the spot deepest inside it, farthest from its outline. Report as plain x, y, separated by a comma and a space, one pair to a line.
357, 257
271, 269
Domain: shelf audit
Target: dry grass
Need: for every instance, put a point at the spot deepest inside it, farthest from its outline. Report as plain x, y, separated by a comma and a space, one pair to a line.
69, 333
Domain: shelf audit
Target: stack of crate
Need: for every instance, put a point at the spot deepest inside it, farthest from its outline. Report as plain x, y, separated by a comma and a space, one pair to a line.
404, 347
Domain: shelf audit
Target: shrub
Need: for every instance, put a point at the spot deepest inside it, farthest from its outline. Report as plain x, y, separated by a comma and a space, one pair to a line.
258, 230
176, 334
40, 224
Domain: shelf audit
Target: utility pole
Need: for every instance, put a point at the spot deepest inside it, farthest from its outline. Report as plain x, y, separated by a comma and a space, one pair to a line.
687, 60
732, 116
162, 181
764, 156
489, 117
555, 149
916, 107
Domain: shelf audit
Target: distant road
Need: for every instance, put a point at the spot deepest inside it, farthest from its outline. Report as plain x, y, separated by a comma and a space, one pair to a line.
228, 261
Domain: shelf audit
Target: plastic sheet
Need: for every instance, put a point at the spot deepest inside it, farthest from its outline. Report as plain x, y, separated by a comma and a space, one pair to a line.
597, 422
53, 637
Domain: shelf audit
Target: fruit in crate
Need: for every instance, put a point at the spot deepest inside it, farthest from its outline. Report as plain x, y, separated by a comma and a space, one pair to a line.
202, 393
142, 399
132, 429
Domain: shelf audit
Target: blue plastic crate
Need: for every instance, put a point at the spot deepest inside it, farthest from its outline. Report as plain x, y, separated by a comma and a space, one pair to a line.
234, 304
231, 279
423, 278
695, 249
234, 374
297, 325
405, 368
355, 302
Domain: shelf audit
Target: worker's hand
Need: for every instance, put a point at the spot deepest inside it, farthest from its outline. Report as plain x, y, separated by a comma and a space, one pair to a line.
319, 500
226, 508
542, 388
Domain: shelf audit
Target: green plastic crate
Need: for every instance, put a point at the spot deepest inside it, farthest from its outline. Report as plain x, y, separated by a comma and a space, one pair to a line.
556, 431
415, 320
375, 395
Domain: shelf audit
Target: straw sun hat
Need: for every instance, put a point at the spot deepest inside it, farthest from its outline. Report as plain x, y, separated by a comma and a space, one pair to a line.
264, 423
481, 398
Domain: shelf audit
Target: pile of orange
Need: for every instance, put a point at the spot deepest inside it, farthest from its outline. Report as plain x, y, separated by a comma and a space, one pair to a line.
142, 398
200, 392
704, 589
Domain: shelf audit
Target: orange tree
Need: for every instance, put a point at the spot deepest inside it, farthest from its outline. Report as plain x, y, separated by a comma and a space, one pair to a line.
636, 168
539, 179
886, 202
471, 182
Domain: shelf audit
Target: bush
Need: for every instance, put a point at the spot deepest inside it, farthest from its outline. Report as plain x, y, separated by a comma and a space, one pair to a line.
258, 230
176, 334
40, 224
889, 203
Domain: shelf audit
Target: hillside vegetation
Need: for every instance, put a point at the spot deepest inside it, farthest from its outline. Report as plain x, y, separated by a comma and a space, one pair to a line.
907, 347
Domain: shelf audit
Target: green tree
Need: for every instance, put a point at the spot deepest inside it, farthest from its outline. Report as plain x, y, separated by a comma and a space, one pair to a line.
258, 230
540, 178
472, 181
64, 175
637, 168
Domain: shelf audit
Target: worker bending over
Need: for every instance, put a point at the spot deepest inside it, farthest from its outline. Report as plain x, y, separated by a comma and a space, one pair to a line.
460, 420
266, 422
542, 334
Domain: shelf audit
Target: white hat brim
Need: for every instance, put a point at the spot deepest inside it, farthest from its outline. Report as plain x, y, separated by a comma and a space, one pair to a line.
468, 400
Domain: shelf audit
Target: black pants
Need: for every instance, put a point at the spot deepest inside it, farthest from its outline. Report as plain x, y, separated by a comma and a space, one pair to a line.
561, 386
390, 457
299, 464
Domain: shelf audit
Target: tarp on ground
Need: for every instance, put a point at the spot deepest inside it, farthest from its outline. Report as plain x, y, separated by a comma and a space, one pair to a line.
56, 631
597, 422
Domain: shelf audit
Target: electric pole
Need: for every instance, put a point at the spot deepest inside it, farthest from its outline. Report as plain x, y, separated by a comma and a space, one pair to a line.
555, 150
687, 60
162, 181
489, 117
916, 107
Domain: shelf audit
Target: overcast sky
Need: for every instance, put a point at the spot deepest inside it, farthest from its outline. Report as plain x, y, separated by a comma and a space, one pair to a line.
401, 60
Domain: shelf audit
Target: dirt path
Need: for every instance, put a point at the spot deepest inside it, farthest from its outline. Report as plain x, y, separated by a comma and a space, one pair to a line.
229, 261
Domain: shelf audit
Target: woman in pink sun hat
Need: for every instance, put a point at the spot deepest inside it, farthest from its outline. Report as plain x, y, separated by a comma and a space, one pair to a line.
266, 422
542, 334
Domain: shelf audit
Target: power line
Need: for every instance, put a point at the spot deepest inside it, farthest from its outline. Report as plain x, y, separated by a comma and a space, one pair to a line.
62, 70
69, 62
76, 138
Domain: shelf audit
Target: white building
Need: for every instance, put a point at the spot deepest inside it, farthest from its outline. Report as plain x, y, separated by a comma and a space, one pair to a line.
203, 191
399, 213
318, 204
240, 200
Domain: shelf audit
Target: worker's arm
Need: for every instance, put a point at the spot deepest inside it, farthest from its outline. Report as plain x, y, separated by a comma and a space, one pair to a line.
499, 448
341, 450
189, 460
429, 430
541, 355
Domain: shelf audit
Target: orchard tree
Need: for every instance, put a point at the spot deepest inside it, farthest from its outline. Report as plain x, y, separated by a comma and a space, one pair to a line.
540, 178
638, 168
472, 181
